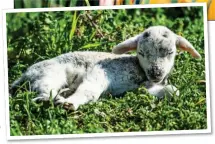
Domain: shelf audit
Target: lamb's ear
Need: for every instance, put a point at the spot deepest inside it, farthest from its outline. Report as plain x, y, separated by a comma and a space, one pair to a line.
185, 45
127, 45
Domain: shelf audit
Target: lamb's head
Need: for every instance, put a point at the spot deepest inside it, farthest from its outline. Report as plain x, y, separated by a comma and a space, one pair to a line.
156, 50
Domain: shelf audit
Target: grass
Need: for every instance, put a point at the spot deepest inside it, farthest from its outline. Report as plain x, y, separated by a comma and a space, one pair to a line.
33, 37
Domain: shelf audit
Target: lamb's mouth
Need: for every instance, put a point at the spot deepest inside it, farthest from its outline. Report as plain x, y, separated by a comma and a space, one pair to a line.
157, 81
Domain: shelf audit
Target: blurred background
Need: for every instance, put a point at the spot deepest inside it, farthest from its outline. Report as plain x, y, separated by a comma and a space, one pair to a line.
71, 3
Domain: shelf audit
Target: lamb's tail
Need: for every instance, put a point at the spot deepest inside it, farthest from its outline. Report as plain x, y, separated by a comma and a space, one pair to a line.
15, 85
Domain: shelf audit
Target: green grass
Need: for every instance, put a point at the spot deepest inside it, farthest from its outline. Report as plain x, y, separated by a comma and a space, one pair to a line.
33, 37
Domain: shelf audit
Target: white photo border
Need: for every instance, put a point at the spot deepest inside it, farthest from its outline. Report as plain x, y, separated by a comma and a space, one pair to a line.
206, 50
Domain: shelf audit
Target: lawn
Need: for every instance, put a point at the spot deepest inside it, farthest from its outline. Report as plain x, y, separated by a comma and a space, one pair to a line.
33, 37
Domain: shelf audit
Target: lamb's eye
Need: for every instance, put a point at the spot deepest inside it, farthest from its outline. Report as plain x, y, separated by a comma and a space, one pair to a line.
165, 35
146, 34
141, 53
171, 52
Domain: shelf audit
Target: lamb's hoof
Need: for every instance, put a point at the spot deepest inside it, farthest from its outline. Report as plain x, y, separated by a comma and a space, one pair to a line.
65, 103
69, 106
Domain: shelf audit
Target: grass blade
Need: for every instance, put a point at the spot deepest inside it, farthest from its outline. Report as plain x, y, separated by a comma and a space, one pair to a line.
74, 23
91, 45
87, 2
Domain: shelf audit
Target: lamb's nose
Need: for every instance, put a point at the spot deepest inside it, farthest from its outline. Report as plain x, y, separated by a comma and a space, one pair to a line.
155, 72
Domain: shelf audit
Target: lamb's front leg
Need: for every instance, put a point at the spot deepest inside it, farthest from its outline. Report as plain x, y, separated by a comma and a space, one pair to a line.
93, 85
161, 90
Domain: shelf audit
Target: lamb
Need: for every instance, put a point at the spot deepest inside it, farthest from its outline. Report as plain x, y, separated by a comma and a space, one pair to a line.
88, 75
